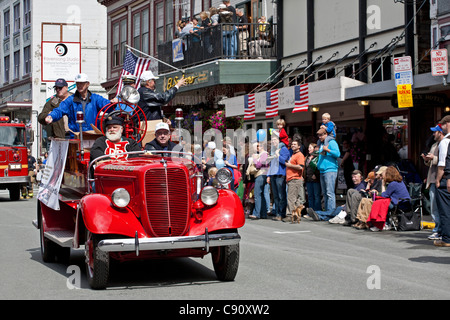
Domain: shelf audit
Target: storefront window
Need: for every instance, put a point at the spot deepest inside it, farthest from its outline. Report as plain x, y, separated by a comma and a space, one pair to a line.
397, 130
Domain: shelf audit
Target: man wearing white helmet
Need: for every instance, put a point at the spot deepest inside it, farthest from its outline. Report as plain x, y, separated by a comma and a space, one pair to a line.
83, 100
152, 101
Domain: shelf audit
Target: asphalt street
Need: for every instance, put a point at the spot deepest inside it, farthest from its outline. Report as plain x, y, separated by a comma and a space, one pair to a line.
278, 261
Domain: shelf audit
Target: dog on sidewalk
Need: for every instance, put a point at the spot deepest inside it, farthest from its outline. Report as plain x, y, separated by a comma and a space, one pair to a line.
297, 214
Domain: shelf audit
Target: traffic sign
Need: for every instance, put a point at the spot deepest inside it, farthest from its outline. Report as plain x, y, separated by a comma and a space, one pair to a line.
404, 96
439, 62
403, 71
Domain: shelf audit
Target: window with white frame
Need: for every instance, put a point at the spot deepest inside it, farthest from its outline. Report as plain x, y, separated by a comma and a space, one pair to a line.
27, 60
16, 65
6, 24
6, 69
17, 18
119, 39
26, 12
141, 30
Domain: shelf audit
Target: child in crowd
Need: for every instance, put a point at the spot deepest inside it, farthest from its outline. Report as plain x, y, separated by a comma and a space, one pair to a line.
330, 127
283, 135
212, 180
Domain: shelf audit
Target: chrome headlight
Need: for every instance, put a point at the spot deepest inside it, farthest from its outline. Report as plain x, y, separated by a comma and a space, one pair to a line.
120, 198
209, 196
224, 176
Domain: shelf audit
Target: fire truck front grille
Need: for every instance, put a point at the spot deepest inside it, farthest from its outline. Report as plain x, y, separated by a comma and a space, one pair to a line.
167, 200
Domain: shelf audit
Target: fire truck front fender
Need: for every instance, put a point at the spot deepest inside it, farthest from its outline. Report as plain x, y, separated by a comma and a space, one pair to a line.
227, 213
101, 217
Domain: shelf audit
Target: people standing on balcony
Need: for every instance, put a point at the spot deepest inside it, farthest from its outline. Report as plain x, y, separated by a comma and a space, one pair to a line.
243, 33
214, 16
262, 40
227, 17
180, 25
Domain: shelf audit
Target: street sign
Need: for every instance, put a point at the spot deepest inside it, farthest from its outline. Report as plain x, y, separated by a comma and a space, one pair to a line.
439, 62
404, 96
403, 71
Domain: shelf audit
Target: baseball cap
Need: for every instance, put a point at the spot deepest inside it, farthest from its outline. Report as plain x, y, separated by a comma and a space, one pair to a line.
59, 83
371, 175
381, 170
162, 125
82, 77
148, 75
437, 128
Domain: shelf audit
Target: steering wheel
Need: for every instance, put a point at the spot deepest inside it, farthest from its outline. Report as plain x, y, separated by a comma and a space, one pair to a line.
135, 122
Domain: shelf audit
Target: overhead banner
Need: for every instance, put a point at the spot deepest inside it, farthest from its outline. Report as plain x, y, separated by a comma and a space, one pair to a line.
60, 60
404, 96
53, 174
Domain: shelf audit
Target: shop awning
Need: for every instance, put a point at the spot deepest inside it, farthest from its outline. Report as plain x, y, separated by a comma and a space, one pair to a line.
320, 92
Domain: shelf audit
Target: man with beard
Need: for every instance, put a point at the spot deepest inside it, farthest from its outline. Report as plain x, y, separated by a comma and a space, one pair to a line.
113, 143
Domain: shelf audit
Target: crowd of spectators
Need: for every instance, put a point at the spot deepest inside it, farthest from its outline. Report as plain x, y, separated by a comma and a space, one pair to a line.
281, 176
239, 37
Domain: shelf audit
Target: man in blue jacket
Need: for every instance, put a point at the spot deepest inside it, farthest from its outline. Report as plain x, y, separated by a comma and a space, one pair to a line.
328, 167
82, 100
276, 176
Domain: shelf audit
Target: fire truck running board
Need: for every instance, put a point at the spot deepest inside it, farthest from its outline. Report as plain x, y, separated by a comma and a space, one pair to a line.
62, 237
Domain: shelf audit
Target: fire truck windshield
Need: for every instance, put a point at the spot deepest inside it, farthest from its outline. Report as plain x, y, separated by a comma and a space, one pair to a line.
12, 136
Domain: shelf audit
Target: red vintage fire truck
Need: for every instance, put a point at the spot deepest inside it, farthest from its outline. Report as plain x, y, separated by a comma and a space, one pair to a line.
13, 157
148, 207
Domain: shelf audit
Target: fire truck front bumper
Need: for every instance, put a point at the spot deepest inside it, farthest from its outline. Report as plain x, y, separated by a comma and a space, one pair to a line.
204, 241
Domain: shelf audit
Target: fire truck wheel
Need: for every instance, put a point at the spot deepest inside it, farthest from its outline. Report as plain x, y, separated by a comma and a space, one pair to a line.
49, 249
97, 262
226, 261
14, 193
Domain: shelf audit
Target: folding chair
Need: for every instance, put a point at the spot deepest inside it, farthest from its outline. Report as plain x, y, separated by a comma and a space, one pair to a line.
410, 210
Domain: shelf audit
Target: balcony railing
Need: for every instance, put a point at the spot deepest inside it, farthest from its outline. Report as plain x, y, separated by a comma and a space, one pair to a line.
224, 41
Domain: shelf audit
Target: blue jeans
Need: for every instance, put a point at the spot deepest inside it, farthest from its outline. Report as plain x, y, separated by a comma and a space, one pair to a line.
314, 200
434, 210
260, 209
327, 215
229, 42
328, 183
278, 185
267, 196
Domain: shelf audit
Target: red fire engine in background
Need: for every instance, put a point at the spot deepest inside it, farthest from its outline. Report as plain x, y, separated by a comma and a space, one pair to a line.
13, 157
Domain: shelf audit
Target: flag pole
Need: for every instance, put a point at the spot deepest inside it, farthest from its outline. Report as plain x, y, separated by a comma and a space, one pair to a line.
149, 56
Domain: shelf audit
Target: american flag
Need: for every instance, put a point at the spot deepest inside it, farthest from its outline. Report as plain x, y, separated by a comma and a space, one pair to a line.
301, 98
272, 103
133, 65
249, 106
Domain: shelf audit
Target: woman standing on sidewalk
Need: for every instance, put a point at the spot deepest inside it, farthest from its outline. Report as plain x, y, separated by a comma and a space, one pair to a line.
312, 179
